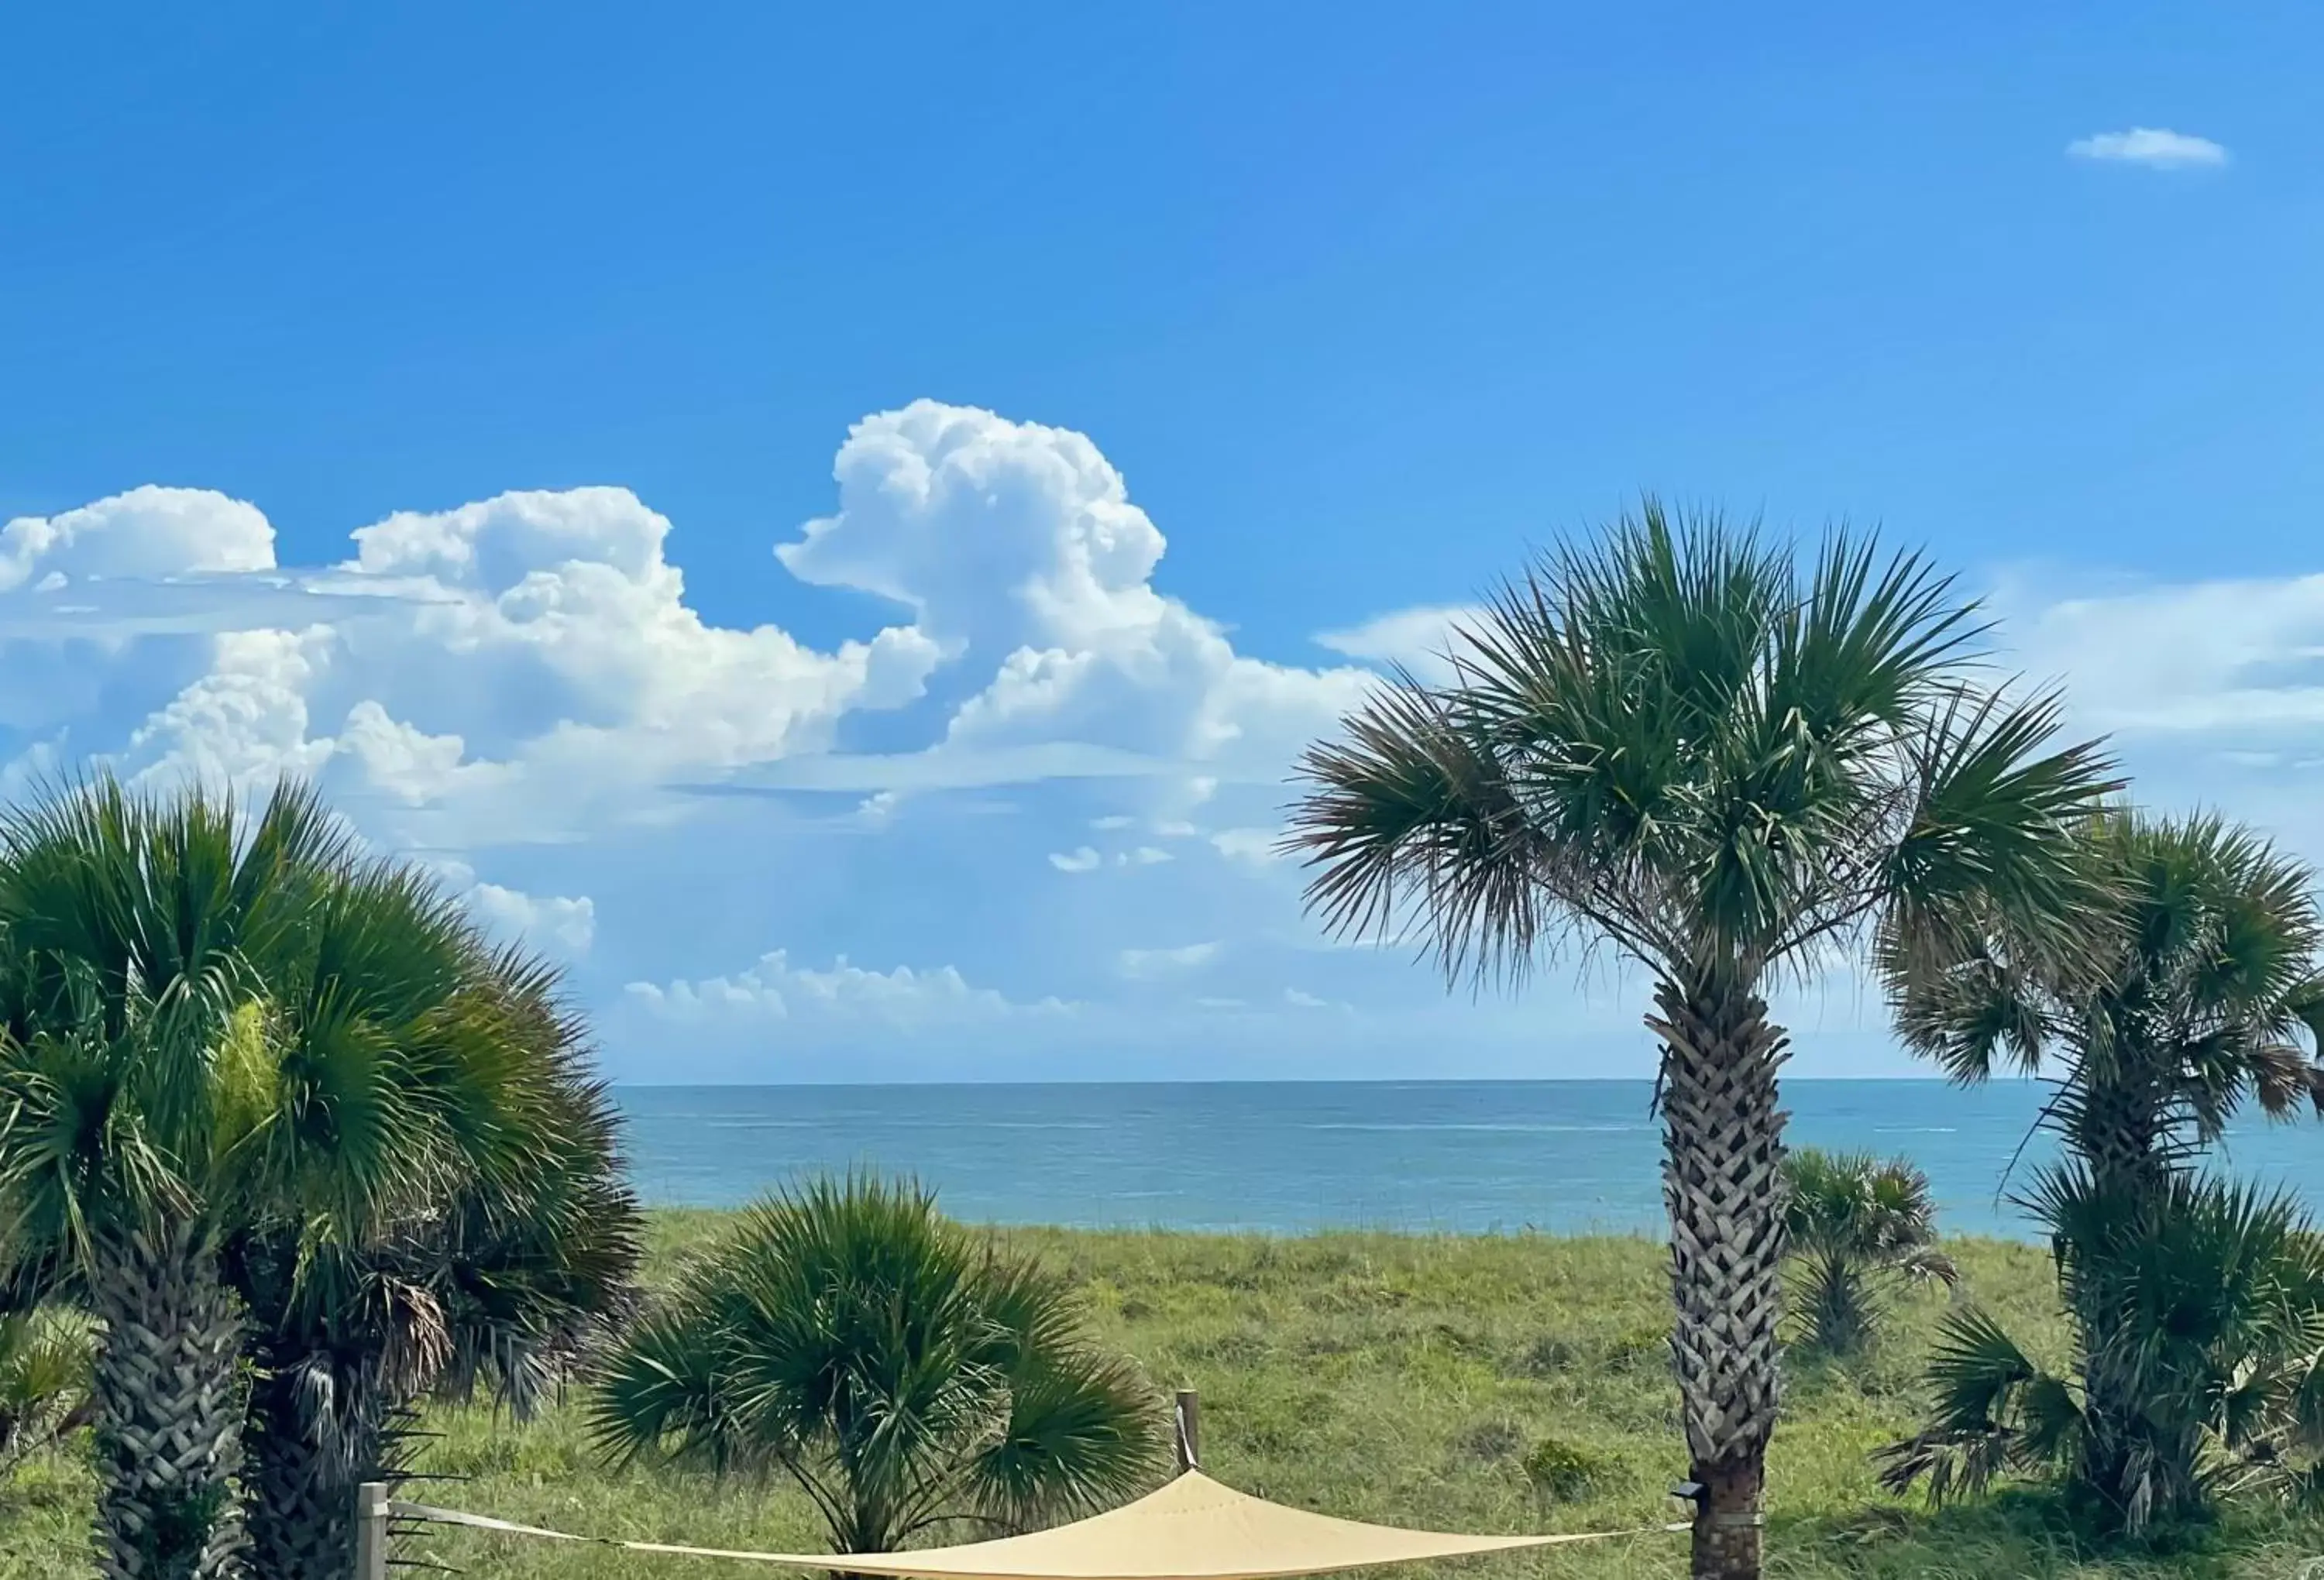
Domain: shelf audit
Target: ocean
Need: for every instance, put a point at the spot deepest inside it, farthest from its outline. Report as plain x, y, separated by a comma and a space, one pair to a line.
1424, 1156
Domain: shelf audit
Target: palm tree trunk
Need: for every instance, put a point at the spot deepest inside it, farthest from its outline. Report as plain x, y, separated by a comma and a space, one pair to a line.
169, 1423
1723, 1136
303, 1480
2118, 1133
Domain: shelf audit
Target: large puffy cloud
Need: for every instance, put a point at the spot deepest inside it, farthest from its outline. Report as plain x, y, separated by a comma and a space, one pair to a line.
543, 670
1018, 546
147, 532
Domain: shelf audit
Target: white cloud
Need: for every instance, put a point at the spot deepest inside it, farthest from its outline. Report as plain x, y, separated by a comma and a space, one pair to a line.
1259, 847
555, 923
2242, 657
776, 989
1018, 547
1166, 963
531, 667
2211, 693
541, 671
147, 532
2151, 147
1417, 639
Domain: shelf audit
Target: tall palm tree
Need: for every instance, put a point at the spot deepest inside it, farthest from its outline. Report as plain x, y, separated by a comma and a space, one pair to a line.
904, 1375
1683, 742
2190, 999
210, 1019
502, 1286
1855, 1222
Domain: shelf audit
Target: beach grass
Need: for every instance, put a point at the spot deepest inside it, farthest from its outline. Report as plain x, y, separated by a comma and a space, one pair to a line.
1485, 1384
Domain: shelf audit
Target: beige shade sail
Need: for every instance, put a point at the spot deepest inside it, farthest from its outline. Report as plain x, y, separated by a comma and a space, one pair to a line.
1192, 1529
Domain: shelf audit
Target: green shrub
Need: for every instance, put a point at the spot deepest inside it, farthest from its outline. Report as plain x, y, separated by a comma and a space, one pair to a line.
1562, 1472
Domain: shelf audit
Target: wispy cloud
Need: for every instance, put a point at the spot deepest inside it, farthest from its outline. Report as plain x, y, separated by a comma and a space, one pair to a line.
1158, 962
1416, 638
2150, 146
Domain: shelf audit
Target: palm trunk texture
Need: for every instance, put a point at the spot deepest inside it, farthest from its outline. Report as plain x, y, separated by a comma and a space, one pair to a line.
302, 1488
1724, 1146
169, 1423
2128, 1456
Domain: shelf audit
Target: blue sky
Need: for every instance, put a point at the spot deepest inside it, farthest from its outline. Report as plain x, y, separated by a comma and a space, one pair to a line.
571, 312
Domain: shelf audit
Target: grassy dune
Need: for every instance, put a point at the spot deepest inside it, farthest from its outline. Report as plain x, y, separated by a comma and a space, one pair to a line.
1403, 1379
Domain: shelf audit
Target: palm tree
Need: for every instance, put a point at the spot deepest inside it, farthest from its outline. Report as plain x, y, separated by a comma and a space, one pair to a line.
2189, 1000
1855, 1222
1683, 742
906, 1376
502, 1286
209, 1020
2217, 1362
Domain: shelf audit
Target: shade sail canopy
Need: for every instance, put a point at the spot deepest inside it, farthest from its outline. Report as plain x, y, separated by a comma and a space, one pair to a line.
1193, 1529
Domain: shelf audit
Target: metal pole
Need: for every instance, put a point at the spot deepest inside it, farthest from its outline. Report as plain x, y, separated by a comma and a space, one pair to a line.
1190, 1430
370, 1532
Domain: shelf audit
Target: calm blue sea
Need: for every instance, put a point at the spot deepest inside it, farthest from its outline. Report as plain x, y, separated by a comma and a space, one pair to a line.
1466, 1157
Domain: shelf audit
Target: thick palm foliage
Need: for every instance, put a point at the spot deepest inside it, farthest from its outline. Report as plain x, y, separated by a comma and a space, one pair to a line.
1855, 1224
501, 1284
214, 1021
905, 1375
2215, 1360
1725, 761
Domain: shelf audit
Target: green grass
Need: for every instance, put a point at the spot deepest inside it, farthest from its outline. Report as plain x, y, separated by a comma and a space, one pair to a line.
1489, 1384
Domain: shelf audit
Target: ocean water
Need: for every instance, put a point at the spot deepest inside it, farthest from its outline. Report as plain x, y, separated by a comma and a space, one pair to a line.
1447, 1156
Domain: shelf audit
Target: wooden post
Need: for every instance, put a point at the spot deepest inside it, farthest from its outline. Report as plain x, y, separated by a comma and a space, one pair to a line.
1190, 1430
370, 1532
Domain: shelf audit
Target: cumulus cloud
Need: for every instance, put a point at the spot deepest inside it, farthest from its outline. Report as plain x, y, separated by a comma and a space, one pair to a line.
1018, 547
556, 922
531, 667
2150, 146
776, 989
147, 532
555, 925
543, 671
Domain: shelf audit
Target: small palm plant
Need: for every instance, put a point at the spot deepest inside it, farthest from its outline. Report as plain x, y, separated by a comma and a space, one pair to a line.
1857, 1224
44, 1361
2216, 1365
905, 1375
